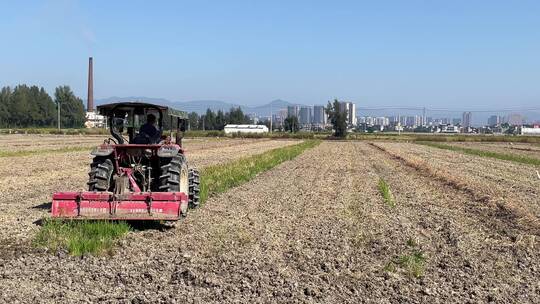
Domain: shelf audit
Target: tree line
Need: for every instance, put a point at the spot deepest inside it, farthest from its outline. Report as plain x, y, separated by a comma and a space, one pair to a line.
31, 106
217, 120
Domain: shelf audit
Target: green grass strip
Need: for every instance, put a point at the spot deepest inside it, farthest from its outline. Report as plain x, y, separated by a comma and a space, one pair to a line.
384, 189
45, 151
83, 237
80, 237
483, 153
220, 178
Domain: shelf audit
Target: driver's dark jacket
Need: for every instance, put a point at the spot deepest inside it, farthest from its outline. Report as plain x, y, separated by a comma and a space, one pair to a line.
150, 130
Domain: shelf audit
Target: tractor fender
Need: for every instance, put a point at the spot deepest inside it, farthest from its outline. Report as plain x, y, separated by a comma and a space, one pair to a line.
103, 150
168, 151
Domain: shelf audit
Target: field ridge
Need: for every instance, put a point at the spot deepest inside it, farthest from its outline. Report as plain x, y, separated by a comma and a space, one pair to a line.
504, 211
483, 153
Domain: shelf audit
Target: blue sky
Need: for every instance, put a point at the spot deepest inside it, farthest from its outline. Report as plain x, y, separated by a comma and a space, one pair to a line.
473, 54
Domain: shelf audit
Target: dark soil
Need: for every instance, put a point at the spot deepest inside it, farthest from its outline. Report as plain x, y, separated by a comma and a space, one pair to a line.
314, 229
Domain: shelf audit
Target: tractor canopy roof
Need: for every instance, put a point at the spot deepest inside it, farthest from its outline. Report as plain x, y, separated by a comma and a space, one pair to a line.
110, 108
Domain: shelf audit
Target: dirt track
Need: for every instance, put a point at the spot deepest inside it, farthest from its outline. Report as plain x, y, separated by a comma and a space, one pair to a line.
314, 229
32, 142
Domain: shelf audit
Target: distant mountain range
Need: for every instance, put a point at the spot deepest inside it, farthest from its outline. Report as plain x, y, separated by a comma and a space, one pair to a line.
200, 106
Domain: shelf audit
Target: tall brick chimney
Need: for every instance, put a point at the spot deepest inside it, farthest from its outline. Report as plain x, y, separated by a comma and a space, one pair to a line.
90, 105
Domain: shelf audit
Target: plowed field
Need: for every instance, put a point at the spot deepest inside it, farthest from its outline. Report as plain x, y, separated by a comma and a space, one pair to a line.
464, 229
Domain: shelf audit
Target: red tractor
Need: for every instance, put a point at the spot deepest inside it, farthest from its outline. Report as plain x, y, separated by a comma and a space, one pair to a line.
142, 177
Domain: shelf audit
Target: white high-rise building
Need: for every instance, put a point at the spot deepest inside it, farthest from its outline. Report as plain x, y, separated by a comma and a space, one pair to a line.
350, 109
293, 111
514, 119
466, 120
382, 121
305, 116
319, 115
494, 120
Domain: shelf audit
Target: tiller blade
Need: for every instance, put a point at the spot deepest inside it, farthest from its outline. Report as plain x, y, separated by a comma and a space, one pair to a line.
168, 206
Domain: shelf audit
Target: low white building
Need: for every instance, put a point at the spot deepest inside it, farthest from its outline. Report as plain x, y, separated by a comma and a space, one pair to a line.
450, 129
94, 120
245, 129
530, 131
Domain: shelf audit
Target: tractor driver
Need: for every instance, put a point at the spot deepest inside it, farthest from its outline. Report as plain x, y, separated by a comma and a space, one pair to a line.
149, 129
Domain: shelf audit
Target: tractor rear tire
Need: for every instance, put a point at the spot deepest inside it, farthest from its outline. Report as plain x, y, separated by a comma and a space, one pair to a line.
174, 175
101, 171
194, 188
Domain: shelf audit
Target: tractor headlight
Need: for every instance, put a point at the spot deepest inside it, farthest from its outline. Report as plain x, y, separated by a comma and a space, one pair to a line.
102, 150
167, 151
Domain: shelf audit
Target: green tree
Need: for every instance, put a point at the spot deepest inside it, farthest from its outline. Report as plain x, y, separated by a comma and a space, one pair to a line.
210, 120
265, 122
5, 96
20, 107
422, 129
200, 124
511, 130
193, 118
34, 115
237, 117
338, 118
220, 120
291, 124
71, 108
44, 114
26, 106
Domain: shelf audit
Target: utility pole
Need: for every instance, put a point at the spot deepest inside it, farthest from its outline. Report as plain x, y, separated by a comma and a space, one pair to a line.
270, 117
58, 106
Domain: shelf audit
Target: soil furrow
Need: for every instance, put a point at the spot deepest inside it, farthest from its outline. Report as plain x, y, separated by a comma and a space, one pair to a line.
528, 150
510, 198
311, 230
468, 252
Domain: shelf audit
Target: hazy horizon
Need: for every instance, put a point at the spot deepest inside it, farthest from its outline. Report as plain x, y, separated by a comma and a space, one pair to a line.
412, 53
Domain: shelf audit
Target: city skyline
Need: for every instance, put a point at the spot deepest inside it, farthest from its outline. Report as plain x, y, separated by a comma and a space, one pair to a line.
306, 116
479, 117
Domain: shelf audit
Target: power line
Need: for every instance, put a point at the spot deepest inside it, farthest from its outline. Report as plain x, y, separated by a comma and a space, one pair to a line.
486, 111
517, 109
